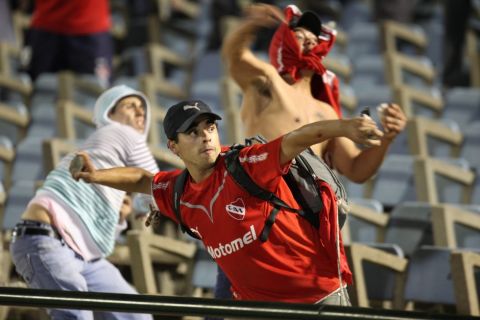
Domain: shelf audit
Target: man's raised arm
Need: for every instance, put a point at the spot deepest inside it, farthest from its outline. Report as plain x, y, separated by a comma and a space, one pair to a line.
242, 64
128, 179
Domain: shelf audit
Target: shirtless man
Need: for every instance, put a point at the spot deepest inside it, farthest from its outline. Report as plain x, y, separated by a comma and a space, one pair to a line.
275, 104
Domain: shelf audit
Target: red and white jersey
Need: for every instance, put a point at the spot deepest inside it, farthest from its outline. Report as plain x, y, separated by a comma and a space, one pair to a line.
297, 263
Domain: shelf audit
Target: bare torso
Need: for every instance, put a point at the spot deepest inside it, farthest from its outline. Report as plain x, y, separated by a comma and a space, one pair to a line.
279, 108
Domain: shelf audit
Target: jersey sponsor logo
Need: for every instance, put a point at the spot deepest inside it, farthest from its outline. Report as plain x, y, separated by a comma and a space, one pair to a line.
236, 209
254, 158
160, 185
233, 246
189, 106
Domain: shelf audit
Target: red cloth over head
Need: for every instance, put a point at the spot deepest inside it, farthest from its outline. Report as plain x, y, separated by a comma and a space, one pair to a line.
287, 58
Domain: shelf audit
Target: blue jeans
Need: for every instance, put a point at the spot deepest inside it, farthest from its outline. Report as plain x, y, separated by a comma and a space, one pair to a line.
48, 263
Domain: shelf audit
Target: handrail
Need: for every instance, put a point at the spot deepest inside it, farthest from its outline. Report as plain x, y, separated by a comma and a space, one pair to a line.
181, 306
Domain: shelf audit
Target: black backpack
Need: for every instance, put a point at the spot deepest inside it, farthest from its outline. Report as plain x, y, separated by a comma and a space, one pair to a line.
305, 172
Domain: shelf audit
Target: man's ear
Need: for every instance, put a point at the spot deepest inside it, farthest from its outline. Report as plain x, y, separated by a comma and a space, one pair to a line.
172, 146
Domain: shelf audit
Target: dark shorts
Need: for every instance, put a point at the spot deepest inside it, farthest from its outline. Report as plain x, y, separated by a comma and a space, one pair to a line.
53, 52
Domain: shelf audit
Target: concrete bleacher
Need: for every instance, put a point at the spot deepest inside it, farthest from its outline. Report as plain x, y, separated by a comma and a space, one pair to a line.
439, 145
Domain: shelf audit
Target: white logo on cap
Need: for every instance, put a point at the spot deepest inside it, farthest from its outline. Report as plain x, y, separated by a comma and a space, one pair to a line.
187, 106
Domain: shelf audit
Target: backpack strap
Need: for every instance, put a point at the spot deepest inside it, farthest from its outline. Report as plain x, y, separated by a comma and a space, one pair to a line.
241, 177
178, 188
258, 138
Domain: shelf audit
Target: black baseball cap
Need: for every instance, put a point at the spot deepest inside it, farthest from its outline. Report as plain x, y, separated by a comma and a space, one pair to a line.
310, 21
180, 116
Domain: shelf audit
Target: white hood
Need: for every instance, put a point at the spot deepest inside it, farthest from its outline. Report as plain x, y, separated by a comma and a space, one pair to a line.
109, 98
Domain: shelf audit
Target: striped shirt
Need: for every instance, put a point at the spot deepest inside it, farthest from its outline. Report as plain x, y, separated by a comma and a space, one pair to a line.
96, 207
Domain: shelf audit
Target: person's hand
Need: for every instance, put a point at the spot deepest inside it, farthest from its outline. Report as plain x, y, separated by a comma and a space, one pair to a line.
363, 130
393, 119
264, 15
126, 208
81, 167
153, 217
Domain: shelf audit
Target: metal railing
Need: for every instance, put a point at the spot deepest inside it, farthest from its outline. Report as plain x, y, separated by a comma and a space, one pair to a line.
187, 306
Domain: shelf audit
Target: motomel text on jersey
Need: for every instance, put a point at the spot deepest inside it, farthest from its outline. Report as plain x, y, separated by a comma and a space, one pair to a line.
225, 249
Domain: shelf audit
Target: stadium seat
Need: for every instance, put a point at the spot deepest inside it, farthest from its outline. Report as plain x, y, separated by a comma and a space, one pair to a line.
393, 183
132, 62
354, 13
180, 25
7, 156
415, 101
207, 72
455, 227
54, 150
340, 64
366, 221
473, 51
83, 89
146, 249
442, 276
394, 32
368, 95
404, 69
73, 121
14, 113
160, 58
368, 70
409, 226
443, 180
471, 144
363, 39
466, 280
378, 274
3, 197
157, 141
28, 163
434, 138
429, 278
412, 225
19, 194
462, 105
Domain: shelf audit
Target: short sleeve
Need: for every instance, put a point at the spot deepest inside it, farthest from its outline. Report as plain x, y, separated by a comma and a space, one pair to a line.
262, 163
162, 191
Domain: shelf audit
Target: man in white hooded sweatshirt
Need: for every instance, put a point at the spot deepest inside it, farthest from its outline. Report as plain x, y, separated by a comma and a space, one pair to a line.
68, 228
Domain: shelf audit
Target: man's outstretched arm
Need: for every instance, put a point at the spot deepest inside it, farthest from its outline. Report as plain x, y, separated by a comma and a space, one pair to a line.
128, 179
361, 130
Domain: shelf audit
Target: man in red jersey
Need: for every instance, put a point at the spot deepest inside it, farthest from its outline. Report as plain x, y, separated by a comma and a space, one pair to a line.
71, 35
295, 89
298, 262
